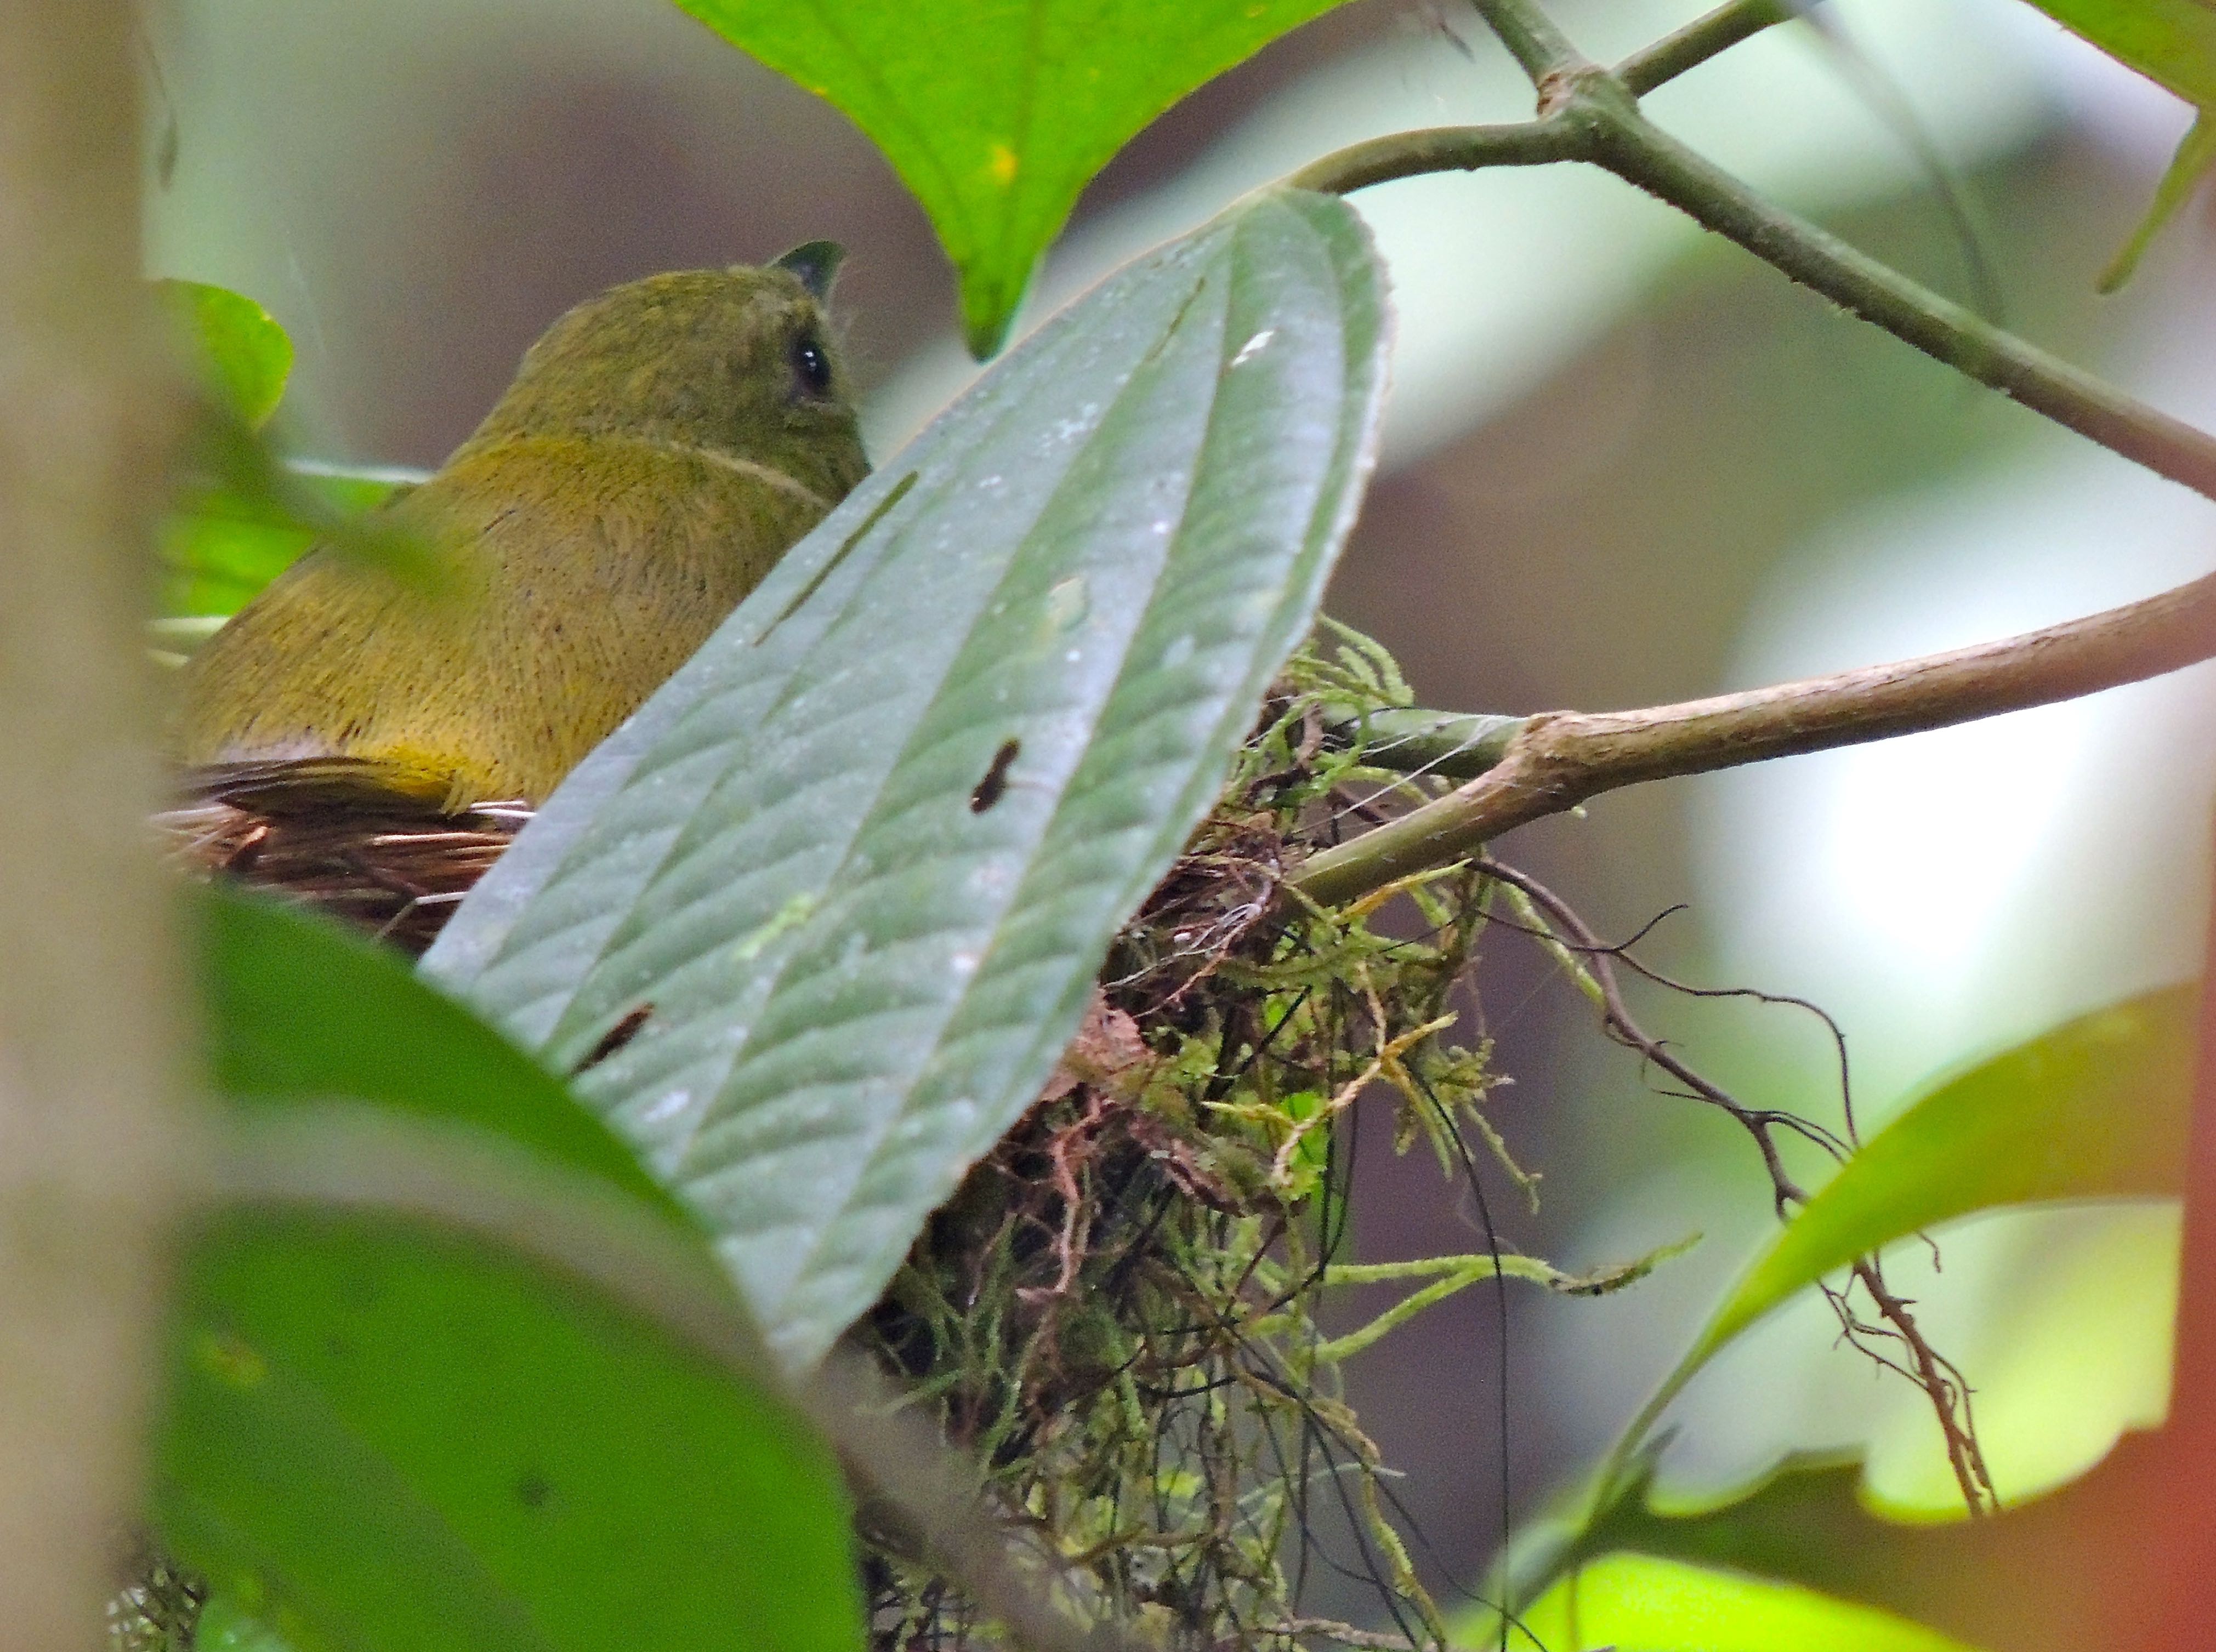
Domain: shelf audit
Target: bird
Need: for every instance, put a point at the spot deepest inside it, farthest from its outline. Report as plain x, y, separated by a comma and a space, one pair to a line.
662, 446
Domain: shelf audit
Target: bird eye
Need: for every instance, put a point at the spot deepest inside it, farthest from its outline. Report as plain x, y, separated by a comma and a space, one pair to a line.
811, 365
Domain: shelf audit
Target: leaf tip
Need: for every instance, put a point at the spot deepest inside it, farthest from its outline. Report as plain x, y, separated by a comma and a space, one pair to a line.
988, 307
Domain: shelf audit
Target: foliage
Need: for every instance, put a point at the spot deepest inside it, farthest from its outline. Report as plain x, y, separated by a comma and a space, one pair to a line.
343, 1388
2172, 42
2095, 1109
996, 116
1637, 1603
237, 350
243, 514
223, 543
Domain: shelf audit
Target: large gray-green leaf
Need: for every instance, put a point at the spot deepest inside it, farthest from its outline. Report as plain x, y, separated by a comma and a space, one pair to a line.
864, 855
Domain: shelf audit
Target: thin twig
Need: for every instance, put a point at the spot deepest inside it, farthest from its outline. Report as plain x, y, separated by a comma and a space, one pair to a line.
1590, 116
1937, 1376
1703, 38
1561, 758
1641, 153
1761, 1124
1439, 148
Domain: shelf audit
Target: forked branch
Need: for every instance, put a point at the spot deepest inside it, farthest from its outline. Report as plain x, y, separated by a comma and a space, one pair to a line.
1558, 760
1588, 114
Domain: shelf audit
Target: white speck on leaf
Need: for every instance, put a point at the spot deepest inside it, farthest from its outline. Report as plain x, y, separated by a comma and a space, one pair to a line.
1254, 346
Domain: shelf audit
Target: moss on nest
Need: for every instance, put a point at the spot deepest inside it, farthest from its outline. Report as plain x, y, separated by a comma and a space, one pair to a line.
1117, 1315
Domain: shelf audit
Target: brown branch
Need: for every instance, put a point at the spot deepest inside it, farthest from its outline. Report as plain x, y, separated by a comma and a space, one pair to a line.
1561, 758
1586, 113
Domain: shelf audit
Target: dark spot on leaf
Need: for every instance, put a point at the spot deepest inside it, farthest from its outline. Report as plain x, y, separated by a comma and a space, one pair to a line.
531, 1491
994, 785
615, 1038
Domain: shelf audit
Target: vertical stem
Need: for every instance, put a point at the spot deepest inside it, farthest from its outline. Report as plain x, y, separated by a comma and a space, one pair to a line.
90, 1138
1541, 49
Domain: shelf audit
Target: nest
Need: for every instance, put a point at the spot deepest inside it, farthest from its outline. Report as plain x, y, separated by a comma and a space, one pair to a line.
1115, 1314
397, 870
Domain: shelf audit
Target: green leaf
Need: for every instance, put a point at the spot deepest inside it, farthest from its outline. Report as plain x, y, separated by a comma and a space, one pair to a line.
419, 1443
995, 115
224, 542
2172, 42
227, 1625
244, 515
864, 853
1641, 1603
297, 1008
2196, 155
399, 1439
242, 356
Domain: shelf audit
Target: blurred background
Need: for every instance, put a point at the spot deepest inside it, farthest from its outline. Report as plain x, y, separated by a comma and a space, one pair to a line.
1625, 465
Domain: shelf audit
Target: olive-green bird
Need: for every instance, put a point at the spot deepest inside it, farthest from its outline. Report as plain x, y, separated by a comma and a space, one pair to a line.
662, 446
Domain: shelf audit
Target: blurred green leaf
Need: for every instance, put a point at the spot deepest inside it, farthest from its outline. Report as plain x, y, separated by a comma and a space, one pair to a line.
2169, 41
2172, 42
996, 116
1642, 1603
227, 1624
243, 515
419, 1443
242, 356
297, 1008
2195, 156
1810, 1522
223, 543
409, 1439
2096, 1108
862, 958
1805, 1522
